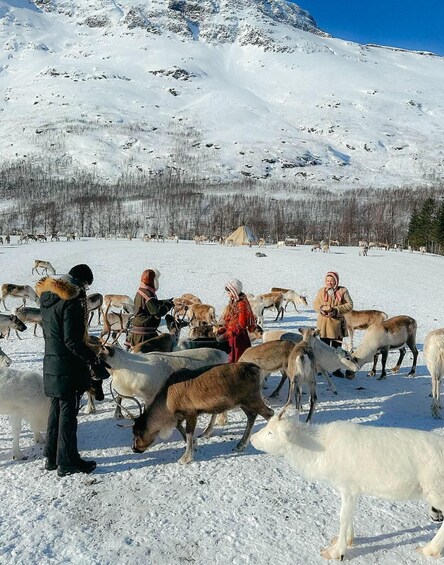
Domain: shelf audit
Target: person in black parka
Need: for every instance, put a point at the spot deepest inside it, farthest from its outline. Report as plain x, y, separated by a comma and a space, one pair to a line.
68, 365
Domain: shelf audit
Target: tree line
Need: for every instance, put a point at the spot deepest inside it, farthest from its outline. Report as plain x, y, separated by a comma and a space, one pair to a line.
426, 226
41, 199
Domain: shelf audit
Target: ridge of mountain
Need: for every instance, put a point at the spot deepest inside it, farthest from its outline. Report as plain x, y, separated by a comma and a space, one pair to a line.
216, 89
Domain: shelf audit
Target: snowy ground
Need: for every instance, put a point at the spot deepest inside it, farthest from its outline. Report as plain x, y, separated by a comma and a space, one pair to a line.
225, 507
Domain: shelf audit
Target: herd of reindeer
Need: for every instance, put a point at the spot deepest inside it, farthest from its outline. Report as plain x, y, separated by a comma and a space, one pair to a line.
298, 356
173, 380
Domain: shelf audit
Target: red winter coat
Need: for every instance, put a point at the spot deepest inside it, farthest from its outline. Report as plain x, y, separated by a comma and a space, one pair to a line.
238, 319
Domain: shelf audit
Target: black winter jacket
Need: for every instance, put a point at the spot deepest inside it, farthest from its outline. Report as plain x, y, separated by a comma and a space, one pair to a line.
67, 357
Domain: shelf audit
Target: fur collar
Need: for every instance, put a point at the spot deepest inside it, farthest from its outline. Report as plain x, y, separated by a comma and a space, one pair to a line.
61, 287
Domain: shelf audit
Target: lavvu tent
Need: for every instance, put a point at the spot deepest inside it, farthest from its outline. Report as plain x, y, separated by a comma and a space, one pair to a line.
242, 236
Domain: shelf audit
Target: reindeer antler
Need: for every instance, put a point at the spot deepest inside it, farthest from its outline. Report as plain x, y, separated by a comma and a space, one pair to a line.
130, 415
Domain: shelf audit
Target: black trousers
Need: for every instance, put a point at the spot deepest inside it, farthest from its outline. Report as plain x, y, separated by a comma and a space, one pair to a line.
61, 434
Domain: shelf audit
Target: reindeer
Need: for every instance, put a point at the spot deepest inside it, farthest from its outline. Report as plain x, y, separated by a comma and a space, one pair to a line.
434, 358
120, 301
22, 291
273, 300
291, 296
361, 320
114, 323
29, 315
201, 314
190, 392
388, 463
45, 266
394, 333
363, 250
10, 322
94, 302
165, 342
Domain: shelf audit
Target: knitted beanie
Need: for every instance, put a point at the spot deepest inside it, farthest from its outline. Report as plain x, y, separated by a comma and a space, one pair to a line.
82, 273
234, 287
150, 277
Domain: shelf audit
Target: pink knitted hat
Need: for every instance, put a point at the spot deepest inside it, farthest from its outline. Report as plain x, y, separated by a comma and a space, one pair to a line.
335, 276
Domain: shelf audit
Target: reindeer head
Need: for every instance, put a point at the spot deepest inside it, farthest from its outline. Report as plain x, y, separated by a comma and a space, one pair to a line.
273, 438
308, 333
17, 324
347, 360
155, 420
175, 324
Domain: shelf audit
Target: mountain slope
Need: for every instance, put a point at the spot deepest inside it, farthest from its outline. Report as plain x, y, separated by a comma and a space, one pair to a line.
219, 89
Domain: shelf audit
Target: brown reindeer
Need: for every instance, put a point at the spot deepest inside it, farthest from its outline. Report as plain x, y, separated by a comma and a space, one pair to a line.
209, 390
361, 320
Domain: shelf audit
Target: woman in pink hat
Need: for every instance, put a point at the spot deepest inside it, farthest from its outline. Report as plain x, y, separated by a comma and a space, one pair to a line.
331, 303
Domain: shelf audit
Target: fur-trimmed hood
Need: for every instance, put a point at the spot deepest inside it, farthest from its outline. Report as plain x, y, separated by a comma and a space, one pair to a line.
61, 289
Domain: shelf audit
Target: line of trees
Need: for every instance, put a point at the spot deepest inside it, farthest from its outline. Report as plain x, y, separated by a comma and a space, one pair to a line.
36, 199
426, 226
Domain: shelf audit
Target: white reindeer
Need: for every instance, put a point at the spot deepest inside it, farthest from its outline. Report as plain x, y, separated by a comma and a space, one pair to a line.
22, 397
143, 375
363, 250
356, 460
434, 358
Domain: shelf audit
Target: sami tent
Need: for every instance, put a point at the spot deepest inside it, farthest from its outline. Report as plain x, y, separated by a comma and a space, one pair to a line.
242, 236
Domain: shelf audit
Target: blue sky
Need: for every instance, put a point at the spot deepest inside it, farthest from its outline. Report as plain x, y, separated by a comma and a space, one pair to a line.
411, 24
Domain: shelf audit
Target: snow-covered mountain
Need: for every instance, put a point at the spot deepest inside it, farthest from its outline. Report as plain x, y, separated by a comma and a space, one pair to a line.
218, 88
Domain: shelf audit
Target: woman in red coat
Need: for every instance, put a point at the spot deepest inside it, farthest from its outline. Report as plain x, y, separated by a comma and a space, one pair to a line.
237, 320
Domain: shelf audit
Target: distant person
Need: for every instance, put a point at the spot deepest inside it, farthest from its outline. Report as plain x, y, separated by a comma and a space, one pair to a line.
331, 303
68, 366
148, 309
237, 320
